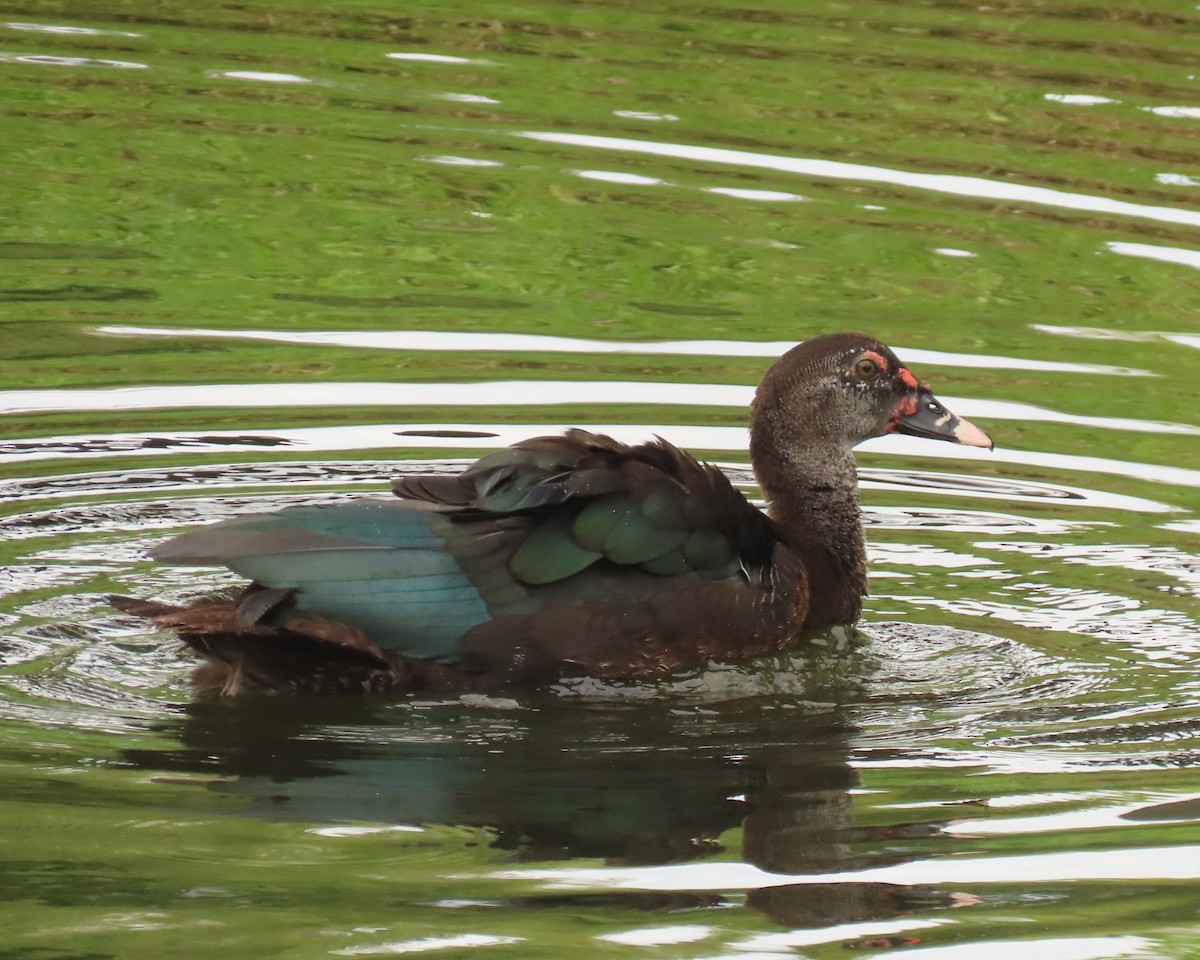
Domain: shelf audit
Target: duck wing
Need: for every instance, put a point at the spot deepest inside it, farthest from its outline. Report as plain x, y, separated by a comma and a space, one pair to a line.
582, 499
571, 551
374, 565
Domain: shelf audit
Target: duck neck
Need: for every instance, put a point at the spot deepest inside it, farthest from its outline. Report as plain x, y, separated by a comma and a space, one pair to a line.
812, 498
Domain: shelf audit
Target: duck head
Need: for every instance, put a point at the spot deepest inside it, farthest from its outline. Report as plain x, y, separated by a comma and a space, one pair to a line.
838, 390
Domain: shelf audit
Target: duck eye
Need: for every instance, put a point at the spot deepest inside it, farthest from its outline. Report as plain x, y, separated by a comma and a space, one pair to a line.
866, 368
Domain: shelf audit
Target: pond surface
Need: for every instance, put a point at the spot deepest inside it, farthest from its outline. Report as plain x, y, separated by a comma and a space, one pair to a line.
272, 253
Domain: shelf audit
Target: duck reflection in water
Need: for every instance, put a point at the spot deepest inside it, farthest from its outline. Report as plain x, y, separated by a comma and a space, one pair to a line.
566, 556
638, 785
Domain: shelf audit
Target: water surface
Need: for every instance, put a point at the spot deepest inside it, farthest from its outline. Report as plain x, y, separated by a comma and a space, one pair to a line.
266, 254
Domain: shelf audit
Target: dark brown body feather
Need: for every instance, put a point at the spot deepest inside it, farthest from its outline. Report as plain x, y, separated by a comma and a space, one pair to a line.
569, 555
310, 654
739, 591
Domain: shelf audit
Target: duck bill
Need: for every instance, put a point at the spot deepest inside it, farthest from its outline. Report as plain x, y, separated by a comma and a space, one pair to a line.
921, 415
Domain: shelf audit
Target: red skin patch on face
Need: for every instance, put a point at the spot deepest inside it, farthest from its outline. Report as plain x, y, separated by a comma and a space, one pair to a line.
905, 408
872, 355
907, 378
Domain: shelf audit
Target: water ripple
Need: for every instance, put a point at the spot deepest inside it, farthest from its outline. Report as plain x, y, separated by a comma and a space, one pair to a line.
490, 436
326, 473
518, 393
538, 343
974, 187
1144, 863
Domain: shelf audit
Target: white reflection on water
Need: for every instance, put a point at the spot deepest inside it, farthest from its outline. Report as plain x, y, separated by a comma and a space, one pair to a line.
1004, 801
1167, 561
536, 343
1190, 113
540, 393
27, 578
1158, 634
1088, 819
739, 193
989, 488
843, 931
465, 98
1054, 948
436, 58
1079, 99
924, 555
45, 59
612, 176
965, 521
491, 436
68, 31
836, 170
257, 76
1189, 258
309, 475
658, 936
645, 115
1152, 863
451, 161
954, 252
1130, 336
459, 941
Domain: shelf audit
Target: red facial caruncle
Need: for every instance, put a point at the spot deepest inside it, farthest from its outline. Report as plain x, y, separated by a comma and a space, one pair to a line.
908, 403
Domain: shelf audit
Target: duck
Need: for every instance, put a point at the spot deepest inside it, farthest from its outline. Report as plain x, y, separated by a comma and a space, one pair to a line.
570, 555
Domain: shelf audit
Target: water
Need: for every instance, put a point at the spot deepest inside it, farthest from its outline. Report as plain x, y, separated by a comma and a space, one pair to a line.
271, 254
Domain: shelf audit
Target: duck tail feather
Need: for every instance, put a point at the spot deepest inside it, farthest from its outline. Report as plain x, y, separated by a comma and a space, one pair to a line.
282, 660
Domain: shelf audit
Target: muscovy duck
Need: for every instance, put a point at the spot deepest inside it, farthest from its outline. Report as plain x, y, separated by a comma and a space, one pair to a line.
569, 555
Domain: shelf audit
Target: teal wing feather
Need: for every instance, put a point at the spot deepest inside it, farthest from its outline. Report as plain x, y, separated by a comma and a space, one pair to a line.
375, 565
